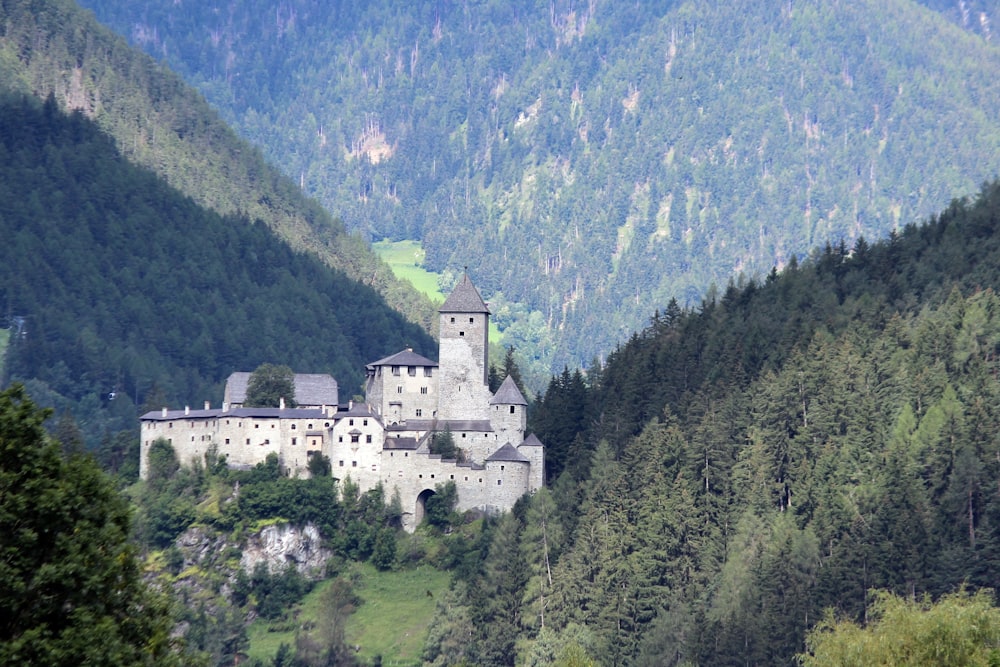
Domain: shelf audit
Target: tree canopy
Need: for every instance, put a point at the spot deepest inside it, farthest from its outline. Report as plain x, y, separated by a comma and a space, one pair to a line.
269, 384
70, 586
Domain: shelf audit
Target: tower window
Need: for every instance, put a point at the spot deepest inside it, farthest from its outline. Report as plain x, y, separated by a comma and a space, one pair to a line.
512, 409
472, 320
453, 320
411, 371
461, 333
395, 370
423, 390
428, 371
399, 389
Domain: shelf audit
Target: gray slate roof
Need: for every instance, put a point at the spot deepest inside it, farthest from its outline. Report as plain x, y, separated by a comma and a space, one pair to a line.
531, 441
464, 299
508, 394
400, 443
310, 388
405, 358
456, 425
509, 454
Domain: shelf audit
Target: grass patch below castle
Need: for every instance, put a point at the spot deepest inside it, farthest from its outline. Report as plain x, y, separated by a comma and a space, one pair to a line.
391, 620
406, 259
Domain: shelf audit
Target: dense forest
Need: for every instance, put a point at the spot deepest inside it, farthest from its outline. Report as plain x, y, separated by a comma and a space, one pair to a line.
591, 160
54, 47
813, 447
120, 284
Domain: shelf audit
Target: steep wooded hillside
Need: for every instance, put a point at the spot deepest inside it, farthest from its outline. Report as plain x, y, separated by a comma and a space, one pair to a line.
122, 284
593, 160
736, 469
55, 47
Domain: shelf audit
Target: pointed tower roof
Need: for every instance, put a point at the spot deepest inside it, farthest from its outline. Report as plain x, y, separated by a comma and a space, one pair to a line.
464, 299
508, 394
508, 453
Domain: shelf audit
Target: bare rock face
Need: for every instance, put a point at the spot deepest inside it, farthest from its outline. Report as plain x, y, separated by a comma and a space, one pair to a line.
284, 544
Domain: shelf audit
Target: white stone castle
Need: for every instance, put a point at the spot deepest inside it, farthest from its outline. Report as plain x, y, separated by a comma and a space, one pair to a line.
386, 439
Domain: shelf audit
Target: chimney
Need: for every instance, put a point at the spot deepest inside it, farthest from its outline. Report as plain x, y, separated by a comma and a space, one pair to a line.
281, 403
350, 405
208, 406
164, 413
187, 410
225, 406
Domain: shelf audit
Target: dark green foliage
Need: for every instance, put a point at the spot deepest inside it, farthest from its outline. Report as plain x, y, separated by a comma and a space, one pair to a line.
440, 506
269, 385
70, 585
443, 444
146, 292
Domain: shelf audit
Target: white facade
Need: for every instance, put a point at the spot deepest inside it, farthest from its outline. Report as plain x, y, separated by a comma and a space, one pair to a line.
385, 440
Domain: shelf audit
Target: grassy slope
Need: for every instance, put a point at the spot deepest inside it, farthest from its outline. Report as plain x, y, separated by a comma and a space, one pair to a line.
406, 259
391, 621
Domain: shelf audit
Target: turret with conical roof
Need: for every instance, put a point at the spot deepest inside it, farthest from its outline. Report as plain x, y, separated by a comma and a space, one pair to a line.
508, 412
463, 390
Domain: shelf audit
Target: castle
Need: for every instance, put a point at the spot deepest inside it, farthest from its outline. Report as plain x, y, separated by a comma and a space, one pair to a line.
386, 439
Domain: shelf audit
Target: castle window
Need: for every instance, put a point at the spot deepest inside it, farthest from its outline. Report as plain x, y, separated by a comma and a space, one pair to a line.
453, 320
420, 476
364, 422
310, 427
354, 464
374, 468
192, 438
420, 413
501, 467
340, 438
350, 422
472, 320
341, 464
326, 424
267, 441
368, 438
170, 425
248, 441
256, 425
499, 482
452, 476
227, 441
512, 409
428, 371
463, 435
395, 370
411, 371
423, 390
480, 480
461, 333
354, 438
295, 441
399, 390
432, 475
294, 427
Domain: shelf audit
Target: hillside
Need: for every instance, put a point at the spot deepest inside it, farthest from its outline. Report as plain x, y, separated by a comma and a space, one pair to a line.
157, 121
593, 160
126, 285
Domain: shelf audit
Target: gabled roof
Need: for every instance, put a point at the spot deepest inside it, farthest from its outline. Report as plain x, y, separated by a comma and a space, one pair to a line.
310, 388
531, 441
464, 299
405, 358
508, 394
400, 443
509, 454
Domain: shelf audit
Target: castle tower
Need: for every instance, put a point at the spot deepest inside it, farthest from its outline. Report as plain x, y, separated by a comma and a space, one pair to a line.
463, 389
508, 413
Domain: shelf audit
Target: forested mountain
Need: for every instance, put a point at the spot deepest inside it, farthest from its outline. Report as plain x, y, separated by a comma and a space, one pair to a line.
593, 160
736, 469
124, 285
55, 47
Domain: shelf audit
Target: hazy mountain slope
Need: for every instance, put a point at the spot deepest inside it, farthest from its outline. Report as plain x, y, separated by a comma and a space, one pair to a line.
592, 160
53, 46
127, 286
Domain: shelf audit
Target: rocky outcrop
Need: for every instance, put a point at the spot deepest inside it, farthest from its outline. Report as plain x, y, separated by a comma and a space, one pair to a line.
284, 544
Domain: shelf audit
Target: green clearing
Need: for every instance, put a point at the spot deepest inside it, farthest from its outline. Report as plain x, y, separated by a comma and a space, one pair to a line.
406, 259
391, 620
